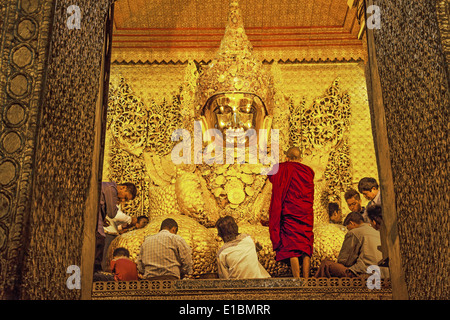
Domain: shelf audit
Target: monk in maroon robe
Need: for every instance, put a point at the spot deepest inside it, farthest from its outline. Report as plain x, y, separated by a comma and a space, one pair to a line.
291, 213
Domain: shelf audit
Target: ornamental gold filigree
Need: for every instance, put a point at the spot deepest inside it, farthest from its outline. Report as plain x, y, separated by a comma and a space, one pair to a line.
205, 192
325, 122
198, 194
139, 142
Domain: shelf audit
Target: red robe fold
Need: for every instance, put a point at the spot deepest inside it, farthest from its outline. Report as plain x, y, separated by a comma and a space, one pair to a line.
291, 210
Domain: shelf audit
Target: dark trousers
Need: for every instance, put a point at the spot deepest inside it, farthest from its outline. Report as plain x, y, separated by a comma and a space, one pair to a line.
329, 269
99, 248
103, 276
162, 278
109, 238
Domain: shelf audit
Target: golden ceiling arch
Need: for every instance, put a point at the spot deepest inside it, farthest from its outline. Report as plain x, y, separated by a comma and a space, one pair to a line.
178, 31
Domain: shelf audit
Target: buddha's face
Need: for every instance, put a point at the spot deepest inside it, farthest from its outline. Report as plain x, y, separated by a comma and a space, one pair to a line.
235, 113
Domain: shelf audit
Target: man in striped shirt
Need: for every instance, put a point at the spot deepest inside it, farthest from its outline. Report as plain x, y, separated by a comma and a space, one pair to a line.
165, 255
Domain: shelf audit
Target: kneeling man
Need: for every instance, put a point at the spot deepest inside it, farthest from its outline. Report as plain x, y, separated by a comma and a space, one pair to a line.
358, 252
165, 255
237, 258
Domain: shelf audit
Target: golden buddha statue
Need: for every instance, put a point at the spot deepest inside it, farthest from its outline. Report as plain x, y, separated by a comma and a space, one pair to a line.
234, 96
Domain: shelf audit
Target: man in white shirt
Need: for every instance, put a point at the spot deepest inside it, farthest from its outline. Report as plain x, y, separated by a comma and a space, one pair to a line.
237, 258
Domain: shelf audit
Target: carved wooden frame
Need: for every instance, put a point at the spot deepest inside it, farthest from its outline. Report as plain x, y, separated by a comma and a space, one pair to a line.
26, 28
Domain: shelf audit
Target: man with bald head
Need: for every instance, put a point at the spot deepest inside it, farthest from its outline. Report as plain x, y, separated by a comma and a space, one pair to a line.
294, 154
291, 213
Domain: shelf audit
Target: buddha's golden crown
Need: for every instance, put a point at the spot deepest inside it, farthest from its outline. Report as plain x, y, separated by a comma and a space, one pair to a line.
234, 68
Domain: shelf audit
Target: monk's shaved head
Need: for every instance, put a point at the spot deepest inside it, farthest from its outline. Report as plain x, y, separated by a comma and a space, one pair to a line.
294, 153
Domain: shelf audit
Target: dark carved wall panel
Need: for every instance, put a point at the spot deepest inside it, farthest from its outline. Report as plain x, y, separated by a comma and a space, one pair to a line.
443, 12
415, 87
49, 99
64, 153
24, 36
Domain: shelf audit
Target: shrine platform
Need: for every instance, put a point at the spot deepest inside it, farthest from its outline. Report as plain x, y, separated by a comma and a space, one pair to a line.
250, 289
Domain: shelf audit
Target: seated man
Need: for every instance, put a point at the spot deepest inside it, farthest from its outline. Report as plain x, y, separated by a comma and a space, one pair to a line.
358, 252
375, 218
369, 188
165, 255
353, 200
334, 213
121, 268
237, 258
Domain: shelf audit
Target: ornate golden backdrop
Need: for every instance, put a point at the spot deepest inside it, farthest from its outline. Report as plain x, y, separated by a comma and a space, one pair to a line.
320, 107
